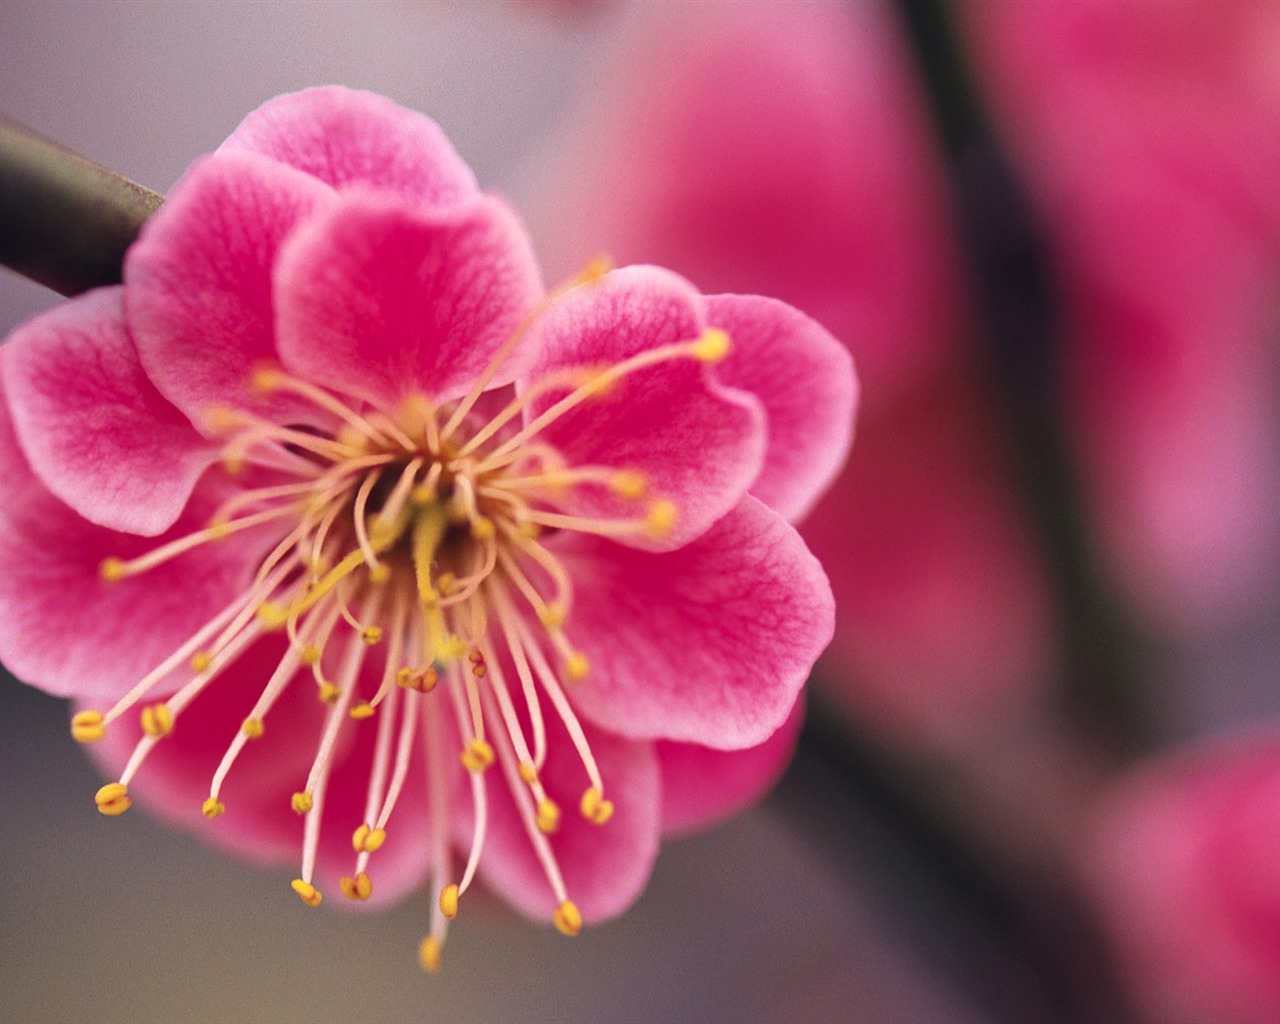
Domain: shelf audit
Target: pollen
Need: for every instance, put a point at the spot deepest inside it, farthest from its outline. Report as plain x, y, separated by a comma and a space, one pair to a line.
112, 570
477, 756
252, 727
661, 518
567, 918
712, 346
548, 816
429, 954
595, 808
576, 667
211, 808
301, 802
87, 726
157, 720
358, 888
628, 483
113, 799
449, 901
362, 710
307, 892
367, 840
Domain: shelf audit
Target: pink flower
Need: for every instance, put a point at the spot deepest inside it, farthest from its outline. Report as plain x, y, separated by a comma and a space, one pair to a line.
530, 551
1149, 133
784, 148
1184, 863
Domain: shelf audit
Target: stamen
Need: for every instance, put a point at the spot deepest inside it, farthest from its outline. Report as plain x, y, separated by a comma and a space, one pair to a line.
591, 274
113, 799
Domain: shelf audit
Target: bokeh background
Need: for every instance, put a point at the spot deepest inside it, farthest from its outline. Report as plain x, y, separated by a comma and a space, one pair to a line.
1019, 623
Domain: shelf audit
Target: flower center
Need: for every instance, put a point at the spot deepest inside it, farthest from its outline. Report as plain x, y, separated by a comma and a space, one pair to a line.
413, 570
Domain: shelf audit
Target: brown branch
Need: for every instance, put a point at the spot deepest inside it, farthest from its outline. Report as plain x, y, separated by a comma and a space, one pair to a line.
65, 222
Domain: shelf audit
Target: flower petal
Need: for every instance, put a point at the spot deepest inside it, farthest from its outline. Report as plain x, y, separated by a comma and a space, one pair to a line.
379, 298
97, 432
709, 644
698, 443
347, 137
701, 786
198, 280
604, 866
66, 631
805, 379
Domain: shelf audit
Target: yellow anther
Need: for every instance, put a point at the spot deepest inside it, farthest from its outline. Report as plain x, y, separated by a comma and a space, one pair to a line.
362, 710
266, 378
528, 773
553, 615
310, 654
220, 419
447, 583
211, 808
272, 615
252, 727
218, 529
548, 817
87, 727
576, 667
594, 271
200, 661
328, 692
232, 465
449, 901
111, 570
358, 888
595, 808
429, 954
567, 918
482, 528
379, 573
367, 840
302, 802
371, 635
478, 756
113, 798
628, 483
307, 892
712, 346
422, 496
660, 518
157, 719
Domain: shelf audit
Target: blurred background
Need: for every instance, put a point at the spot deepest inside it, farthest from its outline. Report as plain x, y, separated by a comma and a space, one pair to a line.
1040, 776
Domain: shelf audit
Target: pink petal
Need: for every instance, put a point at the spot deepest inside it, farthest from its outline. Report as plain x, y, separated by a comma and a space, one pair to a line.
698, 443
97, 432
709, 644
805, 380
779, 149
345, 137
198, 280
701, 786
1181, 864
259, 823
944, 613
66, 631
605, 867
380, 298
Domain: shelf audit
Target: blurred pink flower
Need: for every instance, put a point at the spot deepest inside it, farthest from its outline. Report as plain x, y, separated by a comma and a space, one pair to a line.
784, 148
1184, 864
330, 439
1149, 133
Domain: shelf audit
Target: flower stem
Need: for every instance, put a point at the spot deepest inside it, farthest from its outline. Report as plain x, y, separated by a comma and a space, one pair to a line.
65, 222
